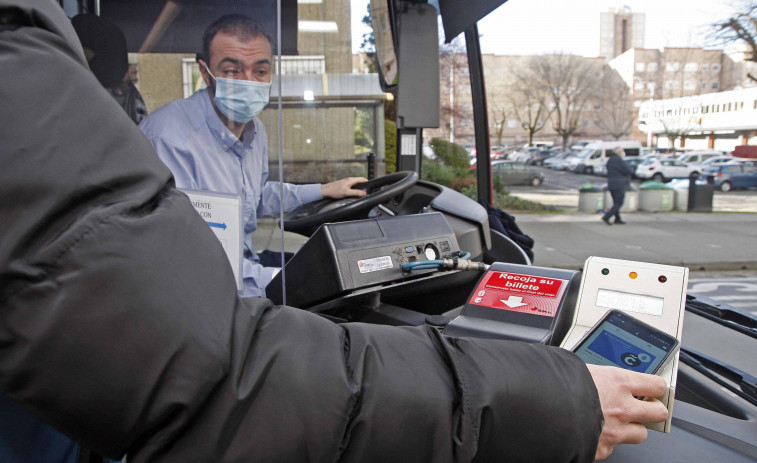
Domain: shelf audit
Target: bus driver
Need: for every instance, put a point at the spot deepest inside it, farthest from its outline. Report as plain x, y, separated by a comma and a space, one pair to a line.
213, 141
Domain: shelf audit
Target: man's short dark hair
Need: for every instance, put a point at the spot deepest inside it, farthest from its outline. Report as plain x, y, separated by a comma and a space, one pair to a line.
243, 27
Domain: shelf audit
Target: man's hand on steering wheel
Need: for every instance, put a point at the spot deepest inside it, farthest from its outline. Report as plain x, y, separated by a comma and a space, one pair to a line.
343, 188
307, 218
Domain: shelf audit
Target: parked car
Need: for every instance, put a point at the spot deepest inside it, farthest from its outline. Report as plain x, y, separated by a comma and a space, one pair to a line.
498, 152
517, 173
698, 157
664, 169
428, 152
746, 162
731, 176
559, 161
633, 163
594, 155
537, 158
522, 155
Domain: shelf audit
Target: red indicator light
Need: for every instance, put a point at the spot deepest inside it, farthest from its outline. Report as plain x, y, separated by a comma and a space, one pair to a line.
662, 278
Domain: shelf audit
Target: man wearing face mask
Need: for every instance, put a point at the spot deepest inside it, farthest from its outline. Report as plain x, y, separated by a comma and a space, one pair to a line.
213, 141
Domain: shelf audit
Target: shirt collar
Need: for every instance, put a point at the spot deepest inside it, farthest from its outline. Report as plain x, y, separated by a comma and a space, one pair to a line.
227, 140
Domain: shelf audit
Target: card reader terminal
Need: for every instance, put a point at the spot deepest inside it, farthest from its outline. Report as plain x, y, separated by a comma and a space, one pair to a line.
521, 302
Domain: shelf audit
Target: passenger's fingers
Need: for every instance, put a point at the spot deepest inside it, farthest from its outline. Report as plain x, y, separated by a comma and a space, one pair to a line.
648, 411
633, 433
644, 385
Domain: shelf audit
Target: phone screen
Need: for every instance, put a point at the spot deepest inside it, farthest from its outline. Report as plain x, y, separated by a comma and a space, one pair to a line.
621, 340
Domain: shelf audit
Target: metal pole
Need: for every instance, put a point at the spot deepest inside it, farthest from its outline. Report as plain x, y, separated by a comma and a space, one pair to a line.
480, 115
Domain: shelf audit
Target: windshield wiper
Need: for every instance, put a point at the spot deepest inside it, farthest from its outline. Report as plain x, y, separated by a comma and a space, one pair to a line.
737, 381
730, 317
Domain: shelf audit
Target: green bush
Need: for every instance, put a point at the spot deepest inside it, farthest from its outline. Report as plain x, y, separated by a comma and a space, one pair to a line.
451, 154
503, 200
452, 177
390, 142
436, 172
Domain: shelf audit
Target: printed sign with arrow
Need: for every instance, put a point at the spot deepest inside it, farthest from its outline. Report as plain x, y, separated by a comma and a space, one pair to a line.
513, 301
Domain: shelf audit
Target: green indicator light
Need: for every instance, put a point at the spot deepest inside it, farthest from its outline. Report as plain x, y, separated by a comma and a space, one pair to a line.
605, 271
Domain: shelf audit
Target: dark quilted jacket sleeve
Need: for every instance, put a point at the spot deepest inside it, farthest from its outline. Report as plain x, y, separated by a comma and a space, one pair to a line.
120, 323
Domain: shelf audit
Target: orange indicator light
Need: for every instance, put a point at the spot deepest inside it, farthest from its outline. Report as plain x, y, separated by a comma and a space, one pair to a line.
633, 275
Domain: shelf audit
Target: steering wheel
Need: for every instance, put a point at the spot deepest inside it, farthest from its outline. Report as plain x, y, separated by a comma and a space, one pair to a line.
306, 219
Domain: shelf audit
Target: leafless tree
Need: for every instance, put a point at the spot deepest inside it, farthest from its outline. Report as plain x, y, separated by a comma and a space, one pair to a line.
571, 82
615, 104
499, 112
676, 119
527, 101
739, 28
456, 108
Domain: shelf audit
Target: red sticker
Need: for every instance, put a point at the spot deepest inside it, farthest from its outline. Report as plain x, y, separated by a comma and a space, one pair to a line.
520, 293
526, 284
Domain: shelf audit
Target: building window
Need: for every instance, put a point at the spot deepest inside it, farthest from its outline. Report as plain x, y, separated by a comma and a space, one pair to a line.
672, 66
652, 67
690, 67
302, 65
671, 85
638, 85
689, 85
715, 85
191, 79
705, 67
512, 124
715, 68
704, 85
640, 67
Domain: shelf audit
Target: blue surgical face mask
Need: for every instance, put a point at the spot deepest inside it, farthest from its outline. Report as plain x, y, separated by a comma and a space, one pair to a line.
240, 100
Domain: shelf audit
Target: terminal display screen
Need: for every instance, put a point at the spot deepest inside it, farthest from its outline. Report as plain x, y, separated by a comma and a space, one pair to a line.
629, 302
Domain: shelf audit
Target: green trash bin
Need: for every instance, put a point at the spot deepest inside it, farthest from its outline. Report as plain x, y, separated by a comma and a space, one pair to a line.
656, 197
591, 199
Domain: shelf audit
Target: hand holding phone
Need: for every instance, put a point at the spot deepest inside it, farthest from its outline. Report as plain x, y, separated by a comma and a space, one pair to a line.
620, 340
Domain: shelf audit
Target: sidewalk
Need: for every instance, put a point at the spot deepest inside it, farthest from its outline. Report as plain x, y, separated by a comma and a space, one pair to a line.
725, 239
567, 199
700, 241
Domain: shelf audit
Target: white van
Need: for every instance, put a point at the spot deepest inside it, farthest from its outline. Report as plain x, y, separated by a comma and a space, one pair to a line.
593, 157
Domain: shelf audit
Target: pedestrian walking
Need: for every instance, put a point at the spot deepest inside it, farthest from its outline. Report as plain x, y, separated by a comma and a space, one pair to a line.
618, 181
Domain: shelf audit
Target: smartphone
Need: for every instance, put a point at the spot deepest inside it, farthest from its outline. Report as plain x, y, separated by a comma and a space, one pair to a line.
620, 340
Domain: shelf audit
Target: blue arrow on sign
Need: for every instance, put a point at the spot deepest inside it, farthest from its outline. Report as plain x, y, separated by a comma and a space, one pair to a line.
222, 226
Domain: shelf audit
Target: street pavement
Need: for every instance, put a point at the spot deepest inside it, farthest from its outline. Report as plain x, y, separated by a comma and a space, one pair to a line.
722, 240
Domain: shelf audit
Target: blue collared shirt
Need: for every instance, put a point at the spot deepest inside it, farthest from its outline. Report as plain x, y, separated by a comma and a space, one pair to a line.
203, 154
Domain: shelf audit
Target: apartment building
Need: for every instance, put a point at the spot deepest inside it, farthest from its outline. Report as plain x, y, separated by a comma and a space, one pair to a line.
657, 74
619, 31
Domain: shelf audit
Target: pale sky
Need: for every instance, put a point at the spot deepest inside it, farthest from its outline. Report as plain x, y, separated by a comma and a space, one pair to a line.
531, 27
